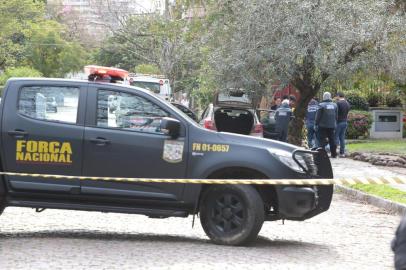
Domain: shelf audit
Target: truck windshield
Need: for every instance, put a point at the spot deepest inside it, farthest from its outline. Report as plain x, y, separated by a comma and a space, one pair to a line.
151, 86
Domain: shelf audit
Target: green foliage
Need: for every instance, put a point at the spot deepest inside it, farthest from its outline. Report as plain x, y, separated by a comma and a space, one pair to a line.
147, 69
19, 72
16, 19
51, 53
393, 100
202, 97
114, 53
404, 130
253, 45
357, 101
372, 85
375, 98
384, 191
157, 44
379, 146
28, 39
359, 123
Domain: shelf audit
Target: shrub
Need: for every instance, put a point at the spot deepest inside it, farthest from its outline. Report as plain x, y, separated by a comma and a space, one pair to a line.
404, 130
357, 101
374, 98
393, 100
18, 72
359, 123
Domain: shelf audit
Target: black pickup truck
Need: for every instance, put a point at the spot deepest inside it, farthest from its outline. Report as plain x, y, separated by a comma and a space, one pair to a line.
146, 137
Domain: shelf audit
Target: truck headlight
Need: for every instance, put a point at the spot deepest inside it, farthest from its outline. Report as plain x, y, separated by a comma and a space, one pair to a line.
306, 160
286, 158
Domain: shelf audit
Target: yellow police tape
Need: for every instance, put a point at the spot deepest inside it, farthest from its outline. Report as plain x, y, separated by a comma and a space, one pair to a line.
302, 182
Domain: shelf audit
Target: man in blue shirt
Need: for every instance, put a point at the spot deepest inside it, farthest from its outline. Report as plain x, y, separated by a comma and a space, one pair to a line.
312, 141
343, 109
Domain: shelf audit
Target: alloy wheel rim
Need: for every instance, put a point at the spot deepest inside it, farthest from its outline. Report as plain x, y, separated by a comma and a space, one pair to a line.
228, 213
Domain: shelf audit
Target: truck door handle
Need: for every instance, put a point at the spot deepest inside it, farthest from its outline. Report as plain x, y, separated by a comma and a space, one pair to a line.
100, 141
18, 134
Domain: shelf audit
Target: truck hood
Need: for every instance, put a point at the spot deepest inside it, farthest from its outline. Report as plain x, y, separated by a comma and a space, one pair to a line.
256, 142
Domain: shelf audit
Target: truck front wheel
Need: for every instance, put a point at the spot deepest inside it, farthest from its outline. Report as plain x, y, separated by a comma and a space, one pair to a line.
231, 214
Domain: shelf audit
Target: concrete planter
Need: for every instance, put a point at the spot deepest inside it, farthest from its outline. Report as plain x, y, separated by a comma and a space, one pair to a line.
386, 123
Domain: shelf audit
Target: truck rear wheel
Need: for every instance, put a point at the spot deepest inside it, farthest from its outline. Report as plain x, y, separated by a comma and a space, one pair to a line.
232, 214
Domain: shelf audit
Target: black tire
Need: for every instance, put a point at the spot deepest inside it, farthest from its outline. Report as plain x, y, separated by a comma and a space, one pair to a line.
232, 214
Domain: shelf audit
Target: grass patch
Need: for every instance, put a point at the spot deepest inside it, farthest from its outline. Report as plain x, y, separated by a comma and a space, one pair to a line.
383, 191
388, 146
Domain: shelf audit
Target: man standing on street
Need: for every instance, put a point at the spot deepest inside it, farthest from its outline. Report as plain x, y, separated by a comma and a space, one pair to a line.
343, 109
310, 117
282, 118
326, 122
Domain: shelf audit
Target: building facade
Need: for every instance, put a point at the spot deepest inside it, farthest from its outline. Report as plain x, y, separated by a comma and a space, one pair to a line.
94, 19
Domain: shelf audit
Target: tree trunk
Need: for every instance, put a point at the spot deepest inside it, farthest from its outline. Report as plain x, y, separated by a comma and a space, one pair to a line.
296, 125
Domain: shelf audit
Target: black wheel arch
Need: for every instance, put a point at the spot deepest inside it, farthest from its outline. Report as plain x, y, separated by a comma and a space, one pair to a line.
267, 192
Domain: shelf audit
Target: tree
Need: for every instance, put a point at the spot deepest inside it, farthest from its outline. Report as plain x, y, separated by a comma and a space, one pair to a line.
147, 69
18, 72
15, 22
306, 43
157, 41
28, 39
50, 53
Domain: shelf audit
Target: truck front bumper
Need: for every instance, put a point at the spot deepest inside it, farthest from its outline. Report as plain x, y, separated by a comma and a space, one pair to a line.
303, 202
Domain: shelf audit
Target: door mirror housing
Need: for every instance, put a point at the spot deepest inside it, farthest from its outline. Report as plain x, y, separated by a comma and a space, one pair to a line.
170, 126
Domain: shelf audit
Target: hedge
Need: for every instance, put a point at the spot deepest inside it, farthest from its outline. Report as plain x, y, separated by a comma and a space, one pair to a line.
357, 101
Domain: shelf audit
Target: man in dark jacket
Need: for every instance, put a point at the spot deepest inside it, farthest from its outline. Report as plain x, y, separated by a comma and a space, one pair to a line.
310, 117
326, 122
277, 101
399, 246
343, 109
282, 118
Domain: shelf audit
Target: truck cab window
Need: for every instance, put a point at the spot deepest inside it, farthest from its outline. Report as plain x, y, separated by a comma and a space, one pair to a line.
52, 103
128, 111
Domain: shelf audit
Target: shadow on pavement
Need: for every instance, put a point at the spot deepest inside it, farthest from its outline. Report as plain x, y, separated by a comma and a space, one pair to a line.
102, 236
152, 250
261, 242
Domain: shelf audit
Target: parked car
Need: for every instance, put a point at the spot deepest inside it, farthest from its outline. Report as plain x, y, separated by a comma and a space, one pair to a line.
232, 111
185, 110
267, 119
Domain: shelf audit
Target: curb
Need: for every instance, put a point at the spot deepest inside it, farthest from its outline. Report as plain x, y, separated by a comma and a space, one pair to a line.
356, 195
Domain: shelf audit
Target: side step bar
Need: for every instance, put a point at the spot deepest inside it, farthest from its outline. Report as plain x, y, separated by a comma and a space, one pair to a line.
151, 212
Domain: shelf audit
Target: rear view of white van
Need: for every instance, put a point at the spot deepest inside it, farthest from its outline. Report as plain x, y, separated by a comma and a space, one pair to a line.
154, 83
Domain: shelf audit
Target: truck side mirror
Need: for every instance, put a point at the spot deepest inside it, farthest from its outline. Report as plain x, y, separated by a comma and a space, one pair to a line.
170, 126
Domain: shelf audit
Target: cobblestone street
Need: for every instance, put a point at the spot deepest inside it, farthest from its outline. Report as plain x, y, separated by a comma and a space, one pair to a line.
349, 236
202, 135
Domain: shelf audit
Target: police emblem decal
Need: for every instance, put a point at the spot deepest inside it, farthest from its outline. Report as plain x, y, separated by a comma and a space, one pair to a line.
173, 151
